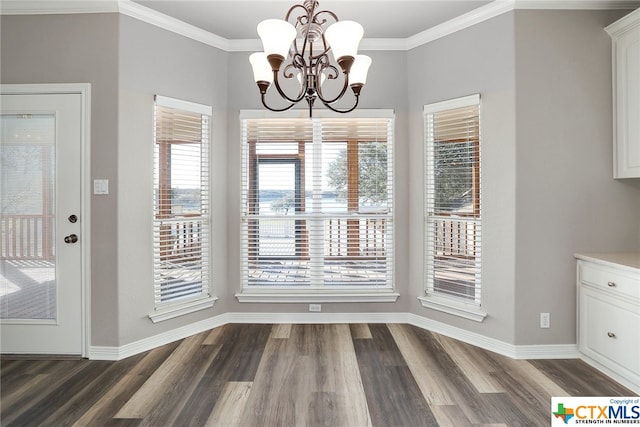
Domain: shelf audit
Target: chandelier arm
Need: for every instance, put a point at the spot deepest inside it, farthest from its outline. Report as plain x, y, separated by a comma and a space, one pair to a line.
276, 110
284, 95
342, 111
339, 96
293, 8
321, 12
303, 78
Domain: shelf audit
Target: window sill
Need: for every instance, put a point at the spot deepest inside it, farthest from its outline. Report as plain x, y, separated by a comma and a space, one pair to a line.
460, 309
173, 311
316, 296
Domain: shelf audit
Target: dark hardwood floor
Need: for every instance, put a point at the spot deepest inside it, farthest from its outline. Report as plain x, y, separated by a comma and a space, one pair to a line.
297, 375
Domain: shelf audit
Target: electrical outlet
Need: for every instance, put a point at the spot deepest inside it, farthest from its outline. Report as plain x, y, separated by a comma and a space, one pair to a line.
545, 320
315, 307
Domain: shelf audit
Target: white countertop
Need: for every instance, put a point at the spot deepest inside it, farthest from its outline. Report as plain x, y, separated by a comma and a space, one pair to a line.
628, 260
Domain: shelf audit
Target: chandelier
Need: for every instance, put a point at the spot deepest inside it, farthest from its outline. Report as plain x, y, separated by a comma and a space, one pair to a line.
303, 51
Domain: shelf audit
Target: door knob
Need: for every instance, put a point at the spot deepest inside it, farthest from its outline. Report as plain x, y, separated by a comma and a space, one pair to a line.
71, 238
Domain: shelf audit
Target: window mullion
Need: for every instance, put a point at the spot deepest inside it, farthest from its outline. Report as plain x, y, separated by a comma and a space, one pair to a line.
316, 225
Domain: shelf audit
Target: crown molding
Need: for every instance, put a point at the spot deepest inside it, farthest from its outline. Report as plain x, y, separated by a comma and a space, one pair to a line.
56, 7
125, 7
166, 22
481, 14
150, 16
577, 4
623, 24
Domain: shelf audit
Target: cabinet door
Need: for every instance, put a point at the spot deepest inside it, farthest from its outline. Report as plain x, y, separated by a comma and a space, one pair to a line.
627, 103
610, 331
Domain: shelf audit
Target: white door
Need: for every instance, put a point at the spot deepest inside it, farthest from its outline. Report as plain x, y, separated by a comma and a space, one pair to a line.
41, 289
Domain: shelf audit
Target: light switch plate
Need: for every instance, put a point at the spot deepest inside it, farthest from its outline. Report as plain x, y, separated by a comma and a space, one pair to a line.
100, 187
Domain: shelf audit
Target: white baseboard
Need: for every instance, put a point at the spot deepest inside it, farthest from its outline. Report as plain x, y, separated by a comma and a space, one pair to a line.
559, 351
563, 351
146, 344
556, 351
308, 318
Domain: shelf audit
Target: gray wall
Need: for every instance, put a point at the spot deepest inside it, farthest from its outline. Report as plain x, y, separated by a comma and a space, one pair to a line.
544, 78
479, 59
547, 189
80, 49
154, 61
566, 199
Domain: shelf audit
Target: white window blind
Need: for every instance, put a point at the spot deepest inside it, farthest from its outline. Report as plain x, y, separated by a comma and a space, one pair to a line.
452, 199
317, 207
181, 203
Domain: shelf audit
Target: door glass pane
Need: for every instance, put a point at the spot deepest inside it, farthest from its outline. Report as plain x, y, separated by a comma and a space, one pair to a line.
27, 217
276, 192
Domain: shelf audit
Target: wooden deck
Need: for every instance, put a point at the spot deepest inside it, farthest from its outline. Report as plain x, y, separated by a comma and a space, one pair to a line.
335, 273
27, 289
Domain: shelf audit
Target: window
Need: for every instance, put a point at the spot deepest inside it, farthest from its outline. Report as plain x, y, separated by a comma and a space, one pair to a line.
181, 208
452, 207
317, 209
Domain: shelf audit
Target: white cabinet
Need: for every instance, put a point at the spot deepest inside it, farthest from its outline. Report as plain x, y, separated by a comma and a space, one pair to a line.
625, 34
609, 315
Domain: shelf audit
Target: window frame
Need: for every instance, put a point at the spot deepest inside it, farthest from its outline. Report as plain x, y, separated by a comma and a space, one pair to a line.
432, 299
312, 293
164, 310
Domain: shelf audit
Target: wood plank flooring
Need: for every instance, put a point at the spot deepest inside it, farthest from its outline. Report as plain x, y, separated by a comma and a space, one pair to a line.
297, 375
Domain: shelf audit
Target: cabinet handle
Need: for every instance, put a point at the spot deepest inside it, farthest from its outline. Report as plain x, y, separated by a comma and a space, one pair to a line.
611, 284
611, 335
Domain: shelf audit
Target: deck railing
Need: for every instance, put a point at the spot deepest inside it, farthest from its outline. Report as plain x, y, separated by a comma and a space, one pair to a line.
31, 236
367, 236
454, 236
364, 237
343, 236
26, 237
180, 238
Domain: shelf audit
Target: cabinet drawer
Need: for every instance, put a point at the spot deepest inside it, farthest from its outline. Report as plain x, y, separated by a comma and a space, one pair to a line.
619, 282
610, 331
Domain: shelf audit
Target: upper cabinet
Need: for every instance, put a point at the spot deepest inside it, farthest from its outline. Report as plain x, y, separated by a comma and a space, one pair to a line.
625, 34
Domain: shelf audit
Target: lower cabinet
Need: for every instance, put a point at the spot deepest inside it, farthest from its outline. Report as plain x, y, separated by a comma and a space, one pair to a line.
609, 321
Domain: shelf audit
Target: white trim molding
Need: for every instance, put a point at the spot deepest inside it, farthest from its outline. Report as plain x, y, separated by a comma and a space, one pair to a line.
150, 16
577, 4
146, 344
456, 308
559, 351
166, 22
476, 16
306, 296
167, 313
563, 351
57, 7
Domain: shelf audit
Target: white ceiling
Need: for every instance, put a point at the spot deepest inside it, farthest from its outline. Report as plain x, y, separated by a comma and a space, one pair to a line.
384, 19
